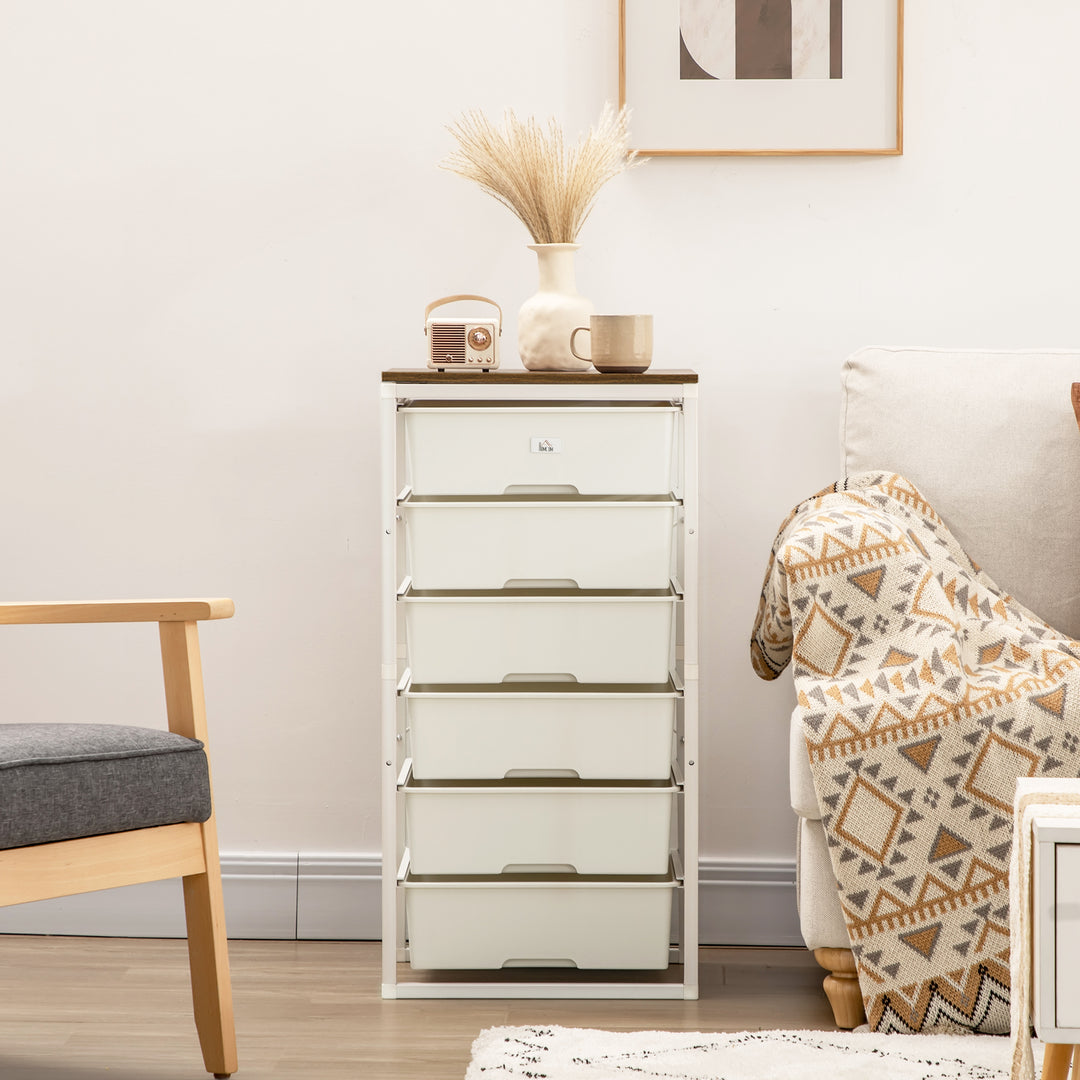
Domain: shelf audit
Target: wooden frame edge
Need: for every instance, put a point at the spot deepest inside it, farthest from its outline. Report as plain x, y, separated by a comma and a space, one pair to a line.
894, 151
70, 867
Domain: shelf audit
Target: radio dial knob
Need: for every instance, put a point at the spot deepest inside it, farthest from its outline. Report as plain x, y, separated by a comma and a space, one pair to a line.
479, 338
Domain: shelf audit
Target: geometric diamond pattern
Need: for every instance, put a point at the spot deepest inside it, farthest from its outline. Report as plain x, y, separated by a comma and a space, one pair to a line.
925, 692
823, 643
996, 769
869, 819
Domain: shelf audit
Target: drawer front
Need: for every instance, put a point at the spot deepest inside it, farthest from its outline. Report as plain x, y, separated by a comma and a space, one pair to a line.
495, 925
1067, 935
493, 545
594, 450
469, 640
589, 736
527, 829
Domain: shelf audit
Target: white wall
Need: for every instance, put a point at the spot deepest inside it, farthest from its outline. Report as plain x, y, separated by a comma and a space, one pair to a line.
220, 219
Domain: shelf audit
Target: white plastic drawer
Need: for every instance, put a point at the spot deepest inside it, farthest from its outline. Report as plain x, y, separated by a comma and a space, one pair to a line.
591, 449
522, 633
538, 826
622, 542
496, 923
588, 732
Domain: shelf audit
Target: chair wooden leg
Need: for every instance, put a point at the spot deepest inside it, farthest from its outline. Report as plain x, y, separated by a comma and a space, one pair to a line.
208, 949
1056, 1058
211, 990
842, 986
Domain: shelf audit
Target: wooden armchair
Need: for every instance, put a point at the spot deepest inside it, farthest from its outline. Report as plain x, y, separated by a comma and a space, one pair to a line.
93, 806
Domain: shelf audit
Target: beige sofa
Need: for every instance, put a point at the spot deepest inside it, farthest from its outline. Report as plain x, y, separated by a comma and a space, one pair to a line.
991, 440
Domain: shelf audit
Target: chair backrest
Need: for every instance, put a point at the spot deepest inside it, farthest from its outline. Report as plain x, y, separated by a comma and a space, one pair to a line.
990, 439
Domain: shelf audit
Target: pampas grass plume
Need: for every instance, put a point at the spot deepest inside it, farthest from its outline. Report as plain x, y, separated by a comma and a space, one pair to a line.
549, 187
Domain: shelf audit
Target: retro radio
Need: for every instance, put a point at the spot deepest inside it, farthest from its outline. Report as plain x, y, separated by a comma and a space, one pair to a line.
463, 342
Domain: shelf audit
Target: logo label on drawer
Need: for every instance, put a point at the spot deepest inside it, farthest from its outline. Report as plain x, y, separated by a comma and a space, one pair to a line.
546, 444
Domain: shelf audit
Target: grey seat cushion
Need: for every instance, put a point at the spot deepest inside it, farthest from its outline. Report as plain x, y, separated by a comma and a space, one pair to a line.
62, 781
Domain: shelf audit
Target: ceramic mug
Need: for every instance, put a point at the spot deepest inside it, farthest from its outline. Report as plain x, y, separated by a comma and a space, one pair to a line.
617, 343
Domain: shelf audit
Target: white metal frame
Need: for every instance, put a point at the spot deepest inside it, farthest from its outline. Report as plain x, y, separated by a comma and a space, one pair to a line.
394, 676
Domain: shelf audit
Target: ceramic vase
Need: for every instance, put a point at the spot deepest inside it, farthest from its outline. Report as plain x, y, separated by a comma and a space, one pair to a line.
547, 319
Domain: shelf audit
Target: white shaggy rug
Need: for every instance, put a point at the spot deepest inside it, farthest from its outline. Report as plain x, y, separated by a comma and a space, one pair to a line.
555, 1053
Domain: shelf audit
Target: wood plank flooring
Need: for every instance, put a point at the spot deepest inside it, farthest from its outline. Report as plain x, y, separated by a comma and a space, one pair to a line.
118, 1009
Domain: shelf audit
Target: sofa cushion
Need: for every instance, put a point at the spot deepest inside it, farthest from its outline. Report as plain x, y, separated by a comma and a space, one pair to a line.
62, 781
804, 800
821, 918
990, 439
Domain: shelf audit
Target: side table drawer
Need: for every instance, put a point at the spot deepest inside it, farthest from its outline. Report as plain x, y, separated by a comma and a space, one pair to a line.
512, 921
595, 449
515, 633
1056, 929
538, 826
540, 729
1067, 933
613, 542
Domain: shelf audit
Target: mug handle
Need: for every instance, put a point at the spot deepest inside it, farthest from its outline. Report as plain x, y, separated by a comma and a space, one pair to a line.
573, 334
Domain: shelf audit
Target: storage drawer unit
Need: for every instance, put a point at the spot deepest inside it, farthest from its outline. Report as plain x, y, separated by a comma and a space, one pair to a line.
588, 636
578, 448
540, 680
538, 826
587, 732
540, 541
547, 921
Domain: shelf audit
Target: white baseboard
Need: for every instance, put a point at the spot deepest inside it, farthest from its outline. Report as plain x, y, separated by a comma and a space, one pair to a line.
328, 896
747, 903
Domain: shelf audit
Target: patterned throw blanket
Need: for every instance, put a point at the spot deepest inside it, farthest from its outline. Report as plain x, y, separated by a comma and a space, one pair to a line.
925, 692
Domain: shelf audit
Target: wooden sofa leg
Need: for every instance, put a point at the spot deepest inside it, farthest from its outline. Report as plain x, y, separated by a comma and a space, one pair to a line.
1056, 1058
842, 986
211, 989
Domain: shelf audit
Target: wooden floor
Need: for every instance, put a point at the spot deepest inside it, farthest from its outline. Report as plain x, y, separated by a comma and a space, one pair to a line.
114, 1009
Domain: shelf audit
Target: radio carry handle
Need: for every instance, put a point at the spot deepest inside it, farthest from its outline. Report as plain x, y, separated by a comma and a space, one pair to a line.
461, 296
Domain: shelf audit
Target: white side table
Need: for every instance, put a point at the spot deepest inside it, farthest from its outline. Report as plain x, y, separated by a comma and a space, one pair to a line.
1056, 941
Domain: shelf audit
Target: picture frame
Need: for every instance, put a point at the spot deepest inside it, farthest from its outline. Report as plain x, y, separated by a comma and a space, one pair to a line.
763, 77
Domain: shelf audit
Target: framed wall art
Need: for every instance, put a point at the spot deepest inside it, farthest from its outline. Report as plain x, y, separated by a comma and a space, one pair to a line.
763, 76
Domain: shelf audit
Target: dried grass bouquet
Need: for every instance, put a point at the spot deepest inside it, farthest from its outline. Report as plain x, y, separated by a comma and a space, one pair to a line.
550, 187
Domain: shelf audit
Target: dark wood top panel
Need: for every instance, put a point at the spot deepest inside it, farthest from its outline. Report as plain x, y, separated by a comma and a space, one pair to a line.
501, 376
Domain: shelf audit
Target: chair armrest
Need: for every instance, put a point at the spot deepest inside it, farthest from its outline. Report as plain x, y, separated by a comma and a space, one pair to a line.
106, 611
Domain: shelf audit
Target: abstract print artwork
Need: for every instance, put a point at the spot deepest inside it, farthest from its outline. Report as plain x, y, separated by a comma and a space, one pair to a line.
761, 39
762, 76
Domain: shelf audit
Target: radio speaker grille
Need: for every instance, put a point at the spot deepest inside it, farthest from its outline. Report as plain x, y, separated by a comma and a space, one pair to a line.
448, 344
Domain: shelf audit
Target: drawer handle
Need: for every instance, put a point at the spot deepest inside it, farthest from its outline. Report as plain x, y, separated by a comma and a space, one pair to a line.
540, 489
540, 583
539, 868
540, 676
544, 774
546, 962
